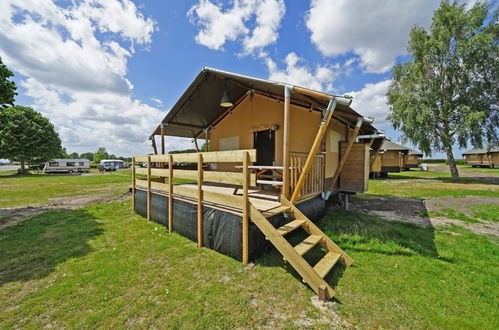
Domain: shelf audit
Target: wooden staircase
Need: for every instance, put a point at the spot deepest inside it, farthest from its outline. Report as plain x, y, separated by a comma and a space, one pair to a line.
312, 275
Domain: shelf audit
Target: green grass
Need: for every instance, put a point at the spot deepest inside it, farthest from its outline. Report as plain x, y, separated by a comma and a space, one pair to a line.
38, 189
486, 212
103, 266
428, 184
492, 171
452, 214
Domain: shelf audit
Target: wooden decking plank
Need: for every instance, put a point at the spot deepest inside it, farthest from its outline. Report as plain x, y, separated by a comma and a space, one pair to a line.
325, 264
307, 244
289, 227
274, 211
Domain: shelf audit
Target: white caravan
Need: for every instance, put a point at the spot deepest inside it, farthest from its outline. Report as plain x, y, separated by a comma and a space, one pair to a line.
67, 166
117, 163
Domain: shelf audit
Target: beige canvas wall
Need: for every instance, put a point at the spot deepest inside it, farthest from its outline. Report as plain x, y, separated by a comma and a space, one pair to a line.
391, 158
259, 112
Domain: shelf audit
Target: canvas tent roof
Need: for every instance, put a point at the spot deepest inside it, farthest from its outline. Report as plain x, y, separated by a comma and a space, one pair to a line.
389, 145
199, 106
481, 150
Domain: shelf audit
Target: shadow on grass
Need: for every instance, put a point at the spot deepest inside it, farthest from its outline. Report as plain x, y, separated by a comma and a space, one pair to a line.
360, 232
32, 248
463, 180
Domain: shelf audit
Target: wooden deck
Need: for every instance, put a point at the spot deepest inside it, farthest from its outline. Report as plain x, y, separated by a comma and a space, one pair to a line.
265, 200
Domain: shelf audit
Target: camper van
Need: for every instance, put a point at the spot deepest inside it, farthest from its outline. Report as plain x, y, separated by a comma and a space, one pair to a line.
67, 166
116, 163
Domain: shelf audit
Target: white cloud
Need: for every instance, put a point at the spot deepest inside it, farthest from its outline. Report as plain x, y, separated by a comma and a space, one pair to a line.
320, 78
158, 102
218, 25
371, 101
375, 31
74, 60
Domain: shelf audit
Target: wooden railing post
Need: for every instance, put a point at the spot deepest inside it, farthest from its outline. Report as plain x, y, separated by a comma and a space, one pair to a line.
133, 184
170, 193
200, 200
148, 188
245, 219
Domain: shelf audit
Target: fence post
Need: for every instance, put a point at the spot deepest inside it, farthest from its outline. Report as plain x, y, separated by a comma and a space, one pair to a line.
170, 193
133, 184
245, 220
200, 200
148, 188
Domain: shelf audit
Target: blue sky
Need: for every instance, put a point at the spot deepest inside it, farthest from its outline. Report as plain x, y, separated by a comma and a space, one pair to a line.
106, 71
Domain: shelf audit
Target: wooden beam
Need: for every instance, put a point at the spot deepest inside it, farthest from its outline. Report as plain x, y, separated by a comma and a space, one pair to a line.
345, 156
133, 184
162, 139
312, 93
233, 178
200, 200
313, 151
153, 143
196, 144
285, 149
245, 219
170, 194
149, 188
229, 156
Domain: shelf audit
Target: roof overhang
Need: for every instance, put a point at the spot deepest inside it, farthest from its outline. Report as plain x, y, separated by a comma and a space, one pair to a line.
199, 107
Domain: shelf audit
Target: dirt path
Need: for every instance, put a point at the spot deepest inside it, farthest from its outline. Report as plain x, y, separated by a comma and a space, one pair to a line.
415, 210
9, 216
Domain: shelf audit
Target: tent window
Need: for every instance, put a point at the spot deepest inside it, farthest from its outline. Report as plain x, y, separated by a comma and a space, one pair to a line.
70, 164
54, 164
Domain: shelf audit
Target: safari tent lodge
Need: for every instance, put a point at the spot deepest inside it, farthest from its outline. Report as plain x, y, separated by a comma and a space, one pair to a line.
275, 153
482, 157
388, 158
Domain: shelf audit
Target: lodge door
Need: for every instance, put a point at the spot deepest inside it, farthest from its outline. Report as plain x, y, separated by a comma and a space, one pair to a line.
264, 143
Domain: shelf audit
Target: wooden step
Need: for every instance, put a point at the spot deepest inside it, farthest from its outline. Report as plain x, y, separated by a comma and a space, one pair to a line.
289, 227
275, 210
307, 244
325, 264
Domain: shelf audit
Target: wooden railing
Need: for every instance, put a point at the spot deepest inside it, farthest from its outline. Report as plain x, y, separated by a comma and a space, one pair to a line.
314, 183
244, 178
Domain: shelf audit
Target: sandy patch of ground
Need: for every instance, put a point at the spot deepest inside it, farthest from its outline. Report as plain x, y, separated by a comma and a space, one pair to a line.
13, 215
415, 210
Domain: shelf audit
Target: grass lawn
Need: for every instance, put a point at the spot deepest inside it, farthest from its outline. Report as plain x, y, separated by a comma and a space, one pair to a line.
103, 266
38, 189
492, 171
427, 184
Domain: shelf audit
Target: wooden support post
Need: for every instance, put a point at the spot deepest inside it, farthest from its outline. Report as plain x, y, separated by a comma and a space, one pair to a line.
313, 150
200, 200
153, 143
133, 184
207, 140
170, 193
345, 155
245, 221
285, 149
196, 144
148, 188
162, 139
